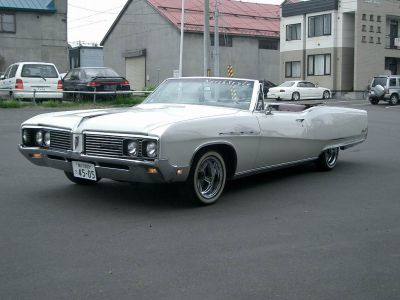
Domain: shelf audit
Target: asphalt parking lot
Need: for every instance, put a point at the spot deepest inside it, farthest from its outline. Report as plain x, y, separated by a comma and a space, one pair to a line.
289, 234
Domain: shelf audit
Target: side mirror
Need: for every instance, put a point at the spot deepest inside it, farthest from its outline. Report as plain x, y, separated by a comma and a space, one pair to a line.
316, 85
2, 77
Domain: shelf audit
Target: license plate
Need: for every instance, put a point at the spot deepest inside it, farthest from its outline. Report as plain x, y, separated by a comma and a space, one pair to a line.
84, 170
110, 87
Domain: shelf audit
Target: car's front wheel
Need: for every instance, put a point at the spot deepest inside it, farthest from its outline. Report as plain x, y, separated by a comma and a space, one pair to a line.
328, 159
207, 178
394, 99
295, 96
80, 181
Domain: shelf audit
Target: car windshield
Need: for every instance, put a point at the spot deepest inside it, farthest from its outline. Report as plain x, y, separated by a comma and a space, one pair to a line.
39, 71
379, 81
204, 91
100, 72
287, 84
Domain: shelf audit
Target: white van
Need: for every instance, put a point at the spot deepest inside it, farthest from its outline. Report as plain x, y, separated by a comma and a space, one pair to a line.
31, 80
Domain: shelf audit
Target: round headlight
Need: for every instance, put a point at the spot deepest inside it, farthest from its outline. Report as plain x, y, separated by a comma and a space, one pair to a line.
39, 138
47, 139
132, 148
25, 136
151, 149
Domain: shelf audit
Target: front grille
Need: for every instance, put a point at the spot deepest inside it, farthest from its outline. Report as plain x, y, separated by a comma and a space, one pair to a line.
104, 145
109, 145
60, 140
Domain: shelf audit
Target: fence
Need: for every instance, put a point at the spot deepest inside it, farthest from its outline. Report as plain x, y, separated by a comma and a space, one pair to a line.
94, 93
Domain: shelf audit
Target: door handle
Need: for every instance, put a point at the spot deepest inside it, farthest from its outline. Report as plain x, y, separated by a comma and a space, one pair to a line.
300, 120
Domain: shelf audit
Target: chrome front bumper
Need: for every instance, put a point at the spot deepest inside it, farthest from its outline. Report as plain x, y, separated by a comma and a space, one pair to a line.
111, 168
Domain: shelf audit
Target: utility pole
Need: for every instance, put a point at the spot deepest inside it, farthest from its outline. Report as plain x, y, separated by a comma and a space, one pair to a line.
182, 32
206, 38
216, 40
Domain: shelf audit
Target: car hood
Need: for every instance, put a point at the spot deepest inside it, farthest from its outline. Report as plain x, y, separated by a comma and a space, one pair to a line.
141, 119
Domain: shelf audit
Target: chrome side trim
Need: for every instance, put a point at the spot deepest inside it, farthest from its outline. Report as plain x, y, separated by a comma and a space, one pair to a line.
272, 167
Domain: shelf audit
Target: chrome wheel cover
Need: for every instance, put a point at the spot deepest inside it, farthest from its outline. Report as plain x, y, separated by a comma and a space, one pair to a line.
209, 178
331, 156
326, 95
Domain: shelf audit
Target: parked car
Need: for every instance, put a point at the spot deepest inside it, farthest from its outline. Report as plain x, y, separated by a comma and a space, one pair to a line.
198, 131
296, 90
386, 88
31, 80
93, 79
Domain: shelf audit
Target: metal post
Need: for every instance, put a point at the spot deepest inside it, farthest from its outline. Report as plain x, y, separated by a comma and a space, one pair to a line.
34, 96
206, 38
216, 40
94, 96
182, 32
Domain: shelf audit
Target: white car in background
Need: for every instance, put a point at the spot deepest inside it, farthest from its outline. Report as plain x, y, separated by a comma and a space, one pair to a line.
37, 80
296, 90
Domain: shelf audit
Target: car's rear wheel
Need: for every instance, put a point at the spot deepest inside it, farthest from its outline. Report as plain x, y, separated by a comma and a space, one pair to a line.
207, 178
394, 99
326, 95
80, 181
373, 101
328, 159
295, 96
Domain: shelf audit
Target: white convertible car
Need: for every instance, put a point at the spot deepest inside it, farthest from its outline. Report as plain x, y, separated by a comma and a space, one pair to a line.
198, 131
296, 90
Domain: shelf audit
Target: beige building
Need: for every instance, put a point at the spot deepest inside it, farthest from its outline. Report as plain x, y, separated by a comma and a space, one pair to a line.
340, 44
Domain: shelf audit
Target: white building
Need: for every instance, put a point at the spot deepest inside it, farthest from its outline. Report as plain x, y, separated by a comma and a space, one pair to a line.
339, 44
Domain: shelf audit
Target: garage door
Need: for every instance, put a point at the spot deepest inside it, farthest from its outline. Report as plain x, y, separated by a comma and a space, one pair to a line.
136, 72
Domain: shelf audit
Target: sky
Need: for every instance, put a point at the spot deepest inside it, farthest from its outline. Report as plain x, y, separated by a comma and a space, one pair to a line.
89, 20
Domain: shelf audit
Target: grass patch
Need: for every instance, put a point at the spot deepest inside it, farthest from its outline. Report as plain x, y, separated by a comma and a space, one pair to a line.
119, 101
10, 104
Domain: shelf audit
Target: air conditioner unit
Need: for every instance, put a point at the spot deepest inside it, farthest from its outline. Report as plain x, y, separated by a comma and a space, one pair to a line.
397, 42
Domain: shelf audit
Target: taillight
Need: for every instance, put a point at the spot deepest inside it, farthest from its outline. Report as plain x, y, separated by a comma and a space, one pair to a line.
125, 82
93, 83
60, 85
19, 84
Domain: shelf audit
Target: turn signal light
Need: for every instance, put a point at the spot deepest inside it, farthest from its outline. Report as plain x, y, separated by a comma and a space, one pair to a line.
19, 84
36, 155
152, 170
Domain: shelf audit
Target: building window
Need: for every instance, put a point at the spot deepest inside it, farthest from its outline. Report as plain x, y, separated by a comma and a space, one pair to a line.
379, 40
7, 23
319, 64
269, 44
364, 39
371, 17
378, 29
371, 28
378, 19
224, 40
293, 32
364, 17
371, 39
292, 69
319, 25
364, 28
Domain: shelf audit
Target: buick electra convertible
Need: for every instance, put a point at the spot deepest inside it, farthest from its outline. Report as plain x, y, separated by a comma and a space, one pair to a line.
198, 131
